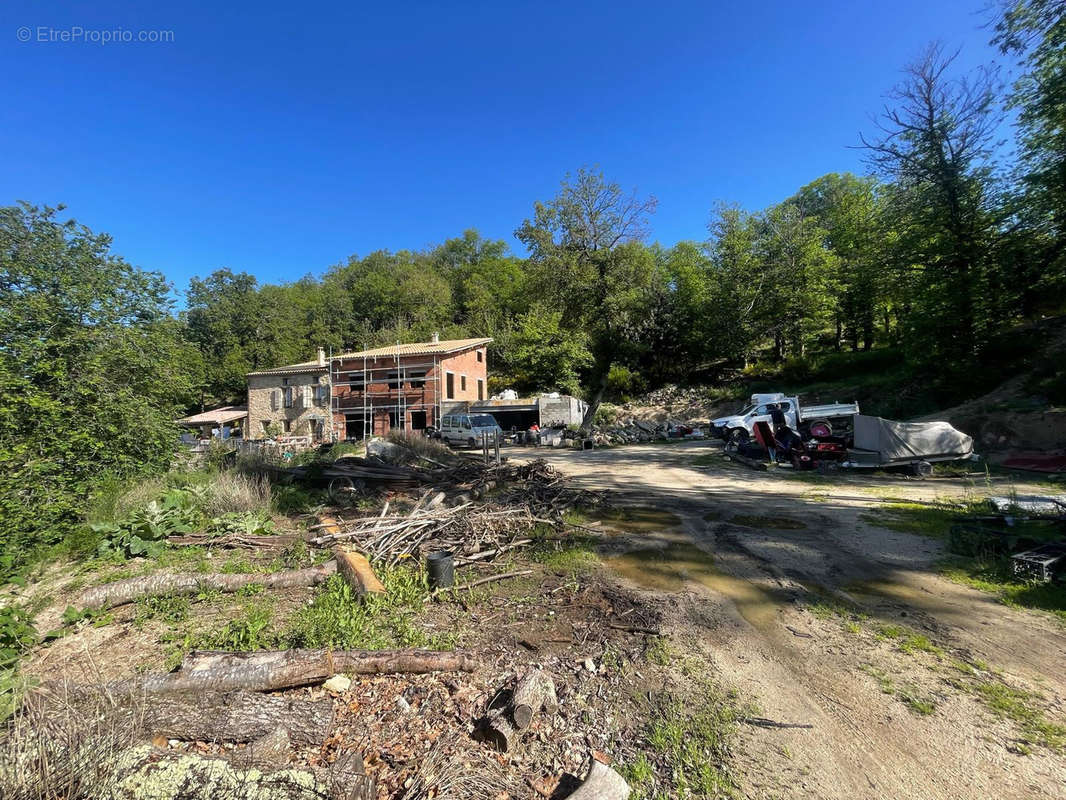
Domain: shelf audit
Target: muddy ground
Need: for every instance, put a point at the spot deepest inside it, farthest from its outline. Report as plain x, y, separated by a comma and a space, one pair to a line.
822, 617
824, 655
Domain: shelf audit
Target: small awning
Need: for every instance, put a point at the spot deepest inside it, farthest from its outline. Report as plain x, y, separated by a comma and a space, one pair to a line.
217, 416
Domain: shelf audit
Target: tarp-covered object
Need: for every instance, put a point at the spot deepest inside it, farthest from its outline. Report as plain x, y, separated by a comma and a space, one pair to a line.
891, 442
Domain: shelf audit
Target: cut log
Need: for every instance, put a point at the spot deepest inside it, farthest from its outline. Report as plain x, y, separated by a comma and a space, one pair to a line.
237, 717
130, 590
269, 750
602, 783
356, 570
534, 693
498, 730
221, 671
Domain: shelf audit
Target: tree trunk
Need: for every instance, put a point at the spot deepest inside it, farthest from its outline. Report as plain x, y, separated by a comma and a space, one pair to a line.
237, 717
219, 671
130, 590
597, 395
602, 783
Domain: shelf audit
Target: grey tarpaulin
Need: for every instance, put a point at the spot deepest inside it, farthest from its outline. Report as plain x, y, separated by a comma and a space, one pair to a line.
891, 442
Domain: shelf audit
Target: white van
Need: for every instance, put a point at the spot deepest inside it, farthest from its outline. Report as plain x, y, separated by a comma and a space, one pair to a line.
467, 428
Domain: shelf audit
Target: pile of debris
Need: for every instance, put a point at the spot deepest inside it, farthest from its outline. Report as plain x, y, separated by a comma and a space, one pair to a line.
640, 431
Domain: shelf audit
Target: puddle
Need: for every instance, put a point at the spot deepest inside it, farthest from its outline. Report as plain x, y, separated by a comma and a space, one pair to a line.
670, 568
775, 523
640, 519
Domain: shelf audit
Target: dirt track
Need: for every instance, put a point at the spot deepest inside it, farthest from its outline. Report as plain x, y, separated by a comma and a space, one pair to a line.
760, 601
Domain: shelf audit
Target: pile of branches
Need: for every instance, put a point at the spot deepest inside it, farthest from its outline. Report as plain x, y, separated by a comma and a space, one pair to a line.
529, 494
471, 532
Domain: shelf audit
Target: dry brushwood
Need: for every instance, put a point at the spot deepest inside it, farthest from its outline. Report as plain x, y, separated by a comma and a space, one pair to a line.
130, 590
222, 671
459, 775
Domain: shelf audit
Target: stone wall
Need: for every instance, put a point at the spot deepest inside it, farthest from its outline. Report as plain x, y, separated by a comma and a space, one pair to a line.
266, 404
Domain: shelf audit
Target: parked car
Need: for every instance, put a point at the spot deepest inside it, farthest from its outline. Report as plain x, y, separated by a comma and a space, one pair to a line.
468, 428
831, 418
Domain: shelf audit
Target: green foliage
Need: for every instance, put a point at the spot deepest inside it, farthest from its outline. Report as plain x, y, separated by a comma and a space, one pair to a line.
93, 371
997, 578
338, 618
241, 524
249, 631
144, 532
17, 634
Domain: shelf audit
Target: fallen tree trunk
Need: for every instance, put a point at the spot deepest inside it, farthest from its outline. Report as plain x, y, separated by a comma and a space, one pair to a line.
237, 717
602, 783
130, 590
220, 671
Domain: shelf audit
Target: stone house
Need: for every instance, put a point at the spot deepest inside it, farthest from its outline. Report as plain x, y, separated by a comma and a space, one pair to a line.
294, 400
369, 392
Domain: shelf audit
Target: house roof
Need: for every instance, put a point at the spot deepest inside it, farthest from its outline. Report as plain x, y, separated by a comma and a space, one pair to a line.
445, 347
216, 416
292, 369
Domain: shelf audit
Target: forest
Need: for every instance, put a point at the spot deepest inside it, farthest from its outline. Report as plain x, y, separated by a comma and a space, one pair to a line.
927, 269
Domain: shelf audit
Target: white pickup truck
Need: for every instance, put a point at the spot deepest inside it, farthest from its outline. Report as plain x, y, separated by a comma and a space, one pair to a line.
799, 418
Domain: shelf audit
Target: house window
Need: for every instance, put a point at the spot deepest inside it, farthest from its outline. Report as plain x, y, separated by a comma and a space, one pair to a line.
316, 379
449, 385
284, 381
480, 356
393, 379
480, 389
417, 379
357, 380
287, 425
462, 383
287, 392
321, 395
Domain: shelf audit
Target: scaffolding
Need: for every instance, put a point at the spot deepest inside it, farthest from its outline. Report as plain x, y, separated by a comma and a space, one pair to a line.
395, 400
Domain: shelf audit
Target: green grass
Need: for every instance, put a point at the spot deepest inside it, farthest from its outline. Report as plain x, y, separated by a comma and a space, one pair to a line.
165, 608
658, 651
906, 693
338, 618
691, 736
1020, 707
933, 520
574, 555
908, 641
996, 578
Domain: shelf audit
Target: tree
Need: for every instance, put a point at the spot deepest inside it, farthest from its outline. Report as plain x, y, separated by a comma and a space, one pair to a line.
93, 371
736, 299
1035, 30
586, 252
935, 144
542, 355
846, 209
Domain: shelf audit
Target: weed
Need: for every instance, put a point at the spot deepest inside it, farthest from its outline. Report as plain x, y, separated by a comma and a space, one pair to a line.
575, 554
933, 520
164, 607
1020, 707
692, 736
338, 618
17, 634
907, 693
249, 631
658, 651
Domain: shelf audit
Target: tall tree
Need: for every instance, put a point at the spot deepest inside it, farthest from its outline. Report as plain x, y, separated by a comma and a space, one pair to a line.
586, 250
935, 142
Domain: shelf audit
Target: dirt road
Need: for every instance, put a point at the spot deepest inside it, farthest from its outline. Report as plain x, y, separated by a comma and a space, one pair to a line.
916, 687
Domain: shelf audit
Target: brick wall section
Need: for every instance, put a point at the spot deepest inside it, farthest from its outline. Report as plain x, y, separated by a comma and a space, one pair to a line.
266, 403
350, 400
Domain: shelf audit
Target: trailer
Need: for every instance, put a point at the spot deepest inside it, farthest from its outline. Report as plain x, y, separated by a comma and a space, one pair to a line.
880, 443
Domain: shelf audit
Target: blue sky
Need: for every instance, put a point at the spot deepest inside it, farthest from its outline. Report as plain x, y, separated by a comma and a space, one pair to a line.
280, 138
